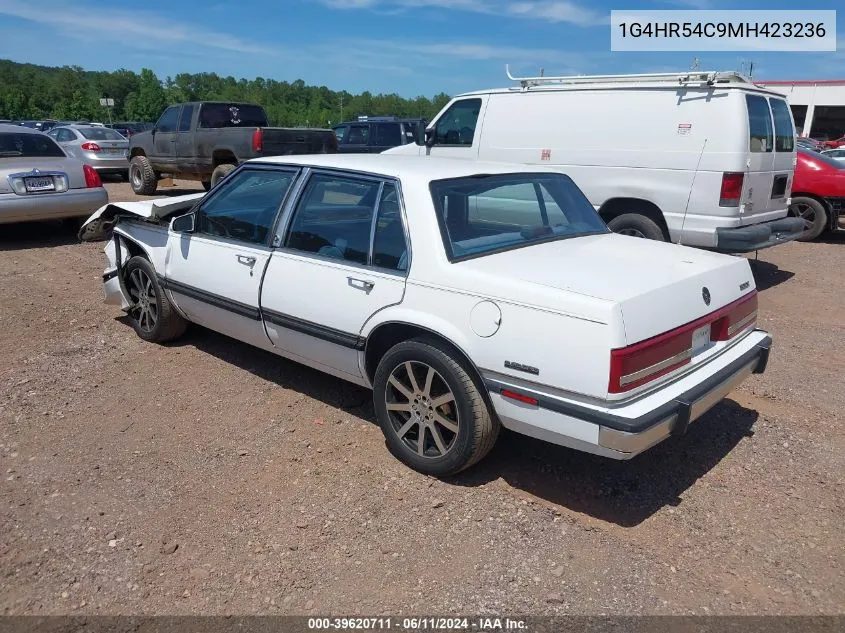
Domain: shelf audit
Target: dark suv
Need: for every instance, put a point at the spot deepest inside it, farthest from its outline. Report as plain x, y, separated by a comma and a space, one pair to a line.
373, 135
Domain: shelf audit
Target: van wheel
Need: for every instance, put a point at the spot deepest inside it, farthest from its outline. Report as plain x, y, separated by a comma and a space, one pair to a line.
636, 225
153, 317
142, 177
814, 215
430, 410
220, 172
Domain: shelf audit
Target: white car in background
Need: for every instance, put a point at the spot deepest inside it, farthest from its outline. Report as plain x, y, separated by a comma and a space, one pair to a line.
414, 277
836, 154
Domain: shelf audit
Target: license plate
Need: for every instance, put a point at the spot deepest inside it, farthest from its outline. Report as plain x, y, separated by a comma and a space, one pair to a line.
114, 150
39, 184
700, 339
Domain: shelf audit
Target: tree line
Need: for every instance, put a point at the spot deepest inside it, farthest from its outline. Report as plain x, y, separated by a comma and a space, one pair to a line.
28, 91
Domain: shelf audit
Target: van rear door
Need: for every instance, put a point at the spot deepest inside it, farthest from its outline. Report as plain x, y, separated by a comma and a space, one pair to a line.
770, 157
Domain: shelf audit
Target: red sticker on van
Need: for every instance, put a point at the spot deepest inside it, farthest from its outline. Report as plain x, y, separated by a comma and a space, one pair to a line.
546, 154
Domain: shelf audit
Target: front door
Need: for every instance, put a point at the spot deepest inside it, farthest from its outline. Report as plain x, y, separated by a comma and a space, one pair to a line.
214, 273
344, 257
164, 141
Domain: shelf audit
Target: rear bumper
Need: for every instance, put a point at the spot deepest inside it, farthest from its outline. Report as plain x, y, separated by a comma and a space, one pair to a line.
72, 203
744, 239
626, 431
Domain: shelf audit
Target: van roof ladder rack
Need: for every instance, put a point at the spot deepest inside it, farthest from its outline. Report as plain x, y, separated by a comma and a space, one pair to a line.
682, 78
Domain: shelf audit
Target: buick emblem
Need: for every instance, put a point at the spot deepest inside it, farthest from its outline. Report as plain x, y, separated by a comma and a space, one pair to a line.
705, 294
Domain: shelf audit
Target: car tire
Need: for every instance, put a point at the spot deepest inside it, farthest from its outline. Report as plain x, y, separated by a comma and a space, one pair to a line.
814, 215
414, 411
636, 225
142, 176
153, 317
220, 172
206, 184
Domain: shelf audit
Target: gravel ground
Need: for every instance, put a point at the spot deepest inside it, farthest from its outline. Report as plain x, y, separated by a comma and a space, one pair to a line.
209, 477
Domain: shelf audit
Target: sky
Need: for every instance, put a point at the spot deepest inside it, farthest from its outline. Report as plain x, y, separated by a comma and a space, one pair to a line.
409, 47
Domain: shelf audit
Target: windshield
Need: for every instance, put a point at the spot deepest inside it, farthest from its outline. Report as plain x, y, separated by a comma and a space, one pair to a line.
484, 214
29, 146
100, 134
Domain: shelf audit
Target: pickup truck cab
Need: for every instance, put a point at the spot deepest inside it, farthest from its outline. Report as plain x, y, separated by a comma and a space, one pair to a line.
206, 140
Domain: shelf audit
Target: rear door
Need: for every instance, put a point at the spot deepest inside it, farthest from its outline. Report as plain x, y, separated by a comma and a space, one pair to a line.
771, 154
785, 157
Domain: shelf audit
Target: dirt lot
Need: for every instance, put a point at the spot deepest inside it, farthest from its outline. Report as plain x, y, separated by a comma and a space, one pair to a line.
208, 477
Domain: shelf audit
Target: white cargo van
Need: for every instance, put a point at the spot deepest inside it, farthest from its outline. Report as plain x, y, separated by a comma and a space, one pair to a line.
701, 158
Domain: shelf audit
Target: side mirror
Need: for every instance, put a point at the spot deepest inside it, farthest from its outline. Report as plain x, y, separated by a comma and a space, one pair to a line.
184, 223
430, 137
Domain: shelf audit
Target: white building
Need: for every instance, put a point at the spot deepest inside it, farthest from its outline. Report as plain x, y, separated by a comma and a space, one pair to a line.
818, 106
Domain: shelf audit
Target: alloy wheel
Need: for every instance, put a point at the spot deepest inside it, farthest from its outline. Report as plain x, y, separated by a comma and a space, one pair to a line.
145, 307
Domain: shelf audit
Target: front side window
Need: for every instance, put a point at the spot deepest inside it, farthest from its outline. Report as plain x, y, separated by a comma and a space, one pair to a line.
784, 132
246, 206
457, 125
29, 146
761, 137
479, 215
185, 119
334, 218
167, 121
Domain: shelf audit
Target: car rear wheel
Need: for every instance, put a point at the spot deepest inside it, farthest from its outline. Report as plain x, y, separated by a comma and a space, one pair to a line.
636, 225
432, 413
142, 177
153, 316
220, 172
814, 215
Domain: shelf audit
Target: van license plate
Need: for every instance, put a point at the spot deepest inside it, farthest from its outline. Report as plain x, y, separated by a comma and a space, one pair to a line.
39, 184
700, 339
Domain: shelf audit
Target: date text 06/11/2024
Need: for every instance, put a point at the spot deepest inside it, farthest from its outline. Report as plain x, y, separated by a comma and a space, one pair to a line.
416, 624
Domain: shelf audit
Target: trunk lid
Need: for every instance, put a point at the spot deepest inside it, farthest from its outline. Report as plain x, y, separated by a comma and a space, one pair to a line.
658, 286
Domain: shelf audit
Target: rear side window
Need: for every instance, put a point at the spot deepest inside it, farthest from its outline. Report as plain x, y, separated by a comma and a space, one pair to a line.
761, 135
29, 146
217, 115
784, 132
388, 134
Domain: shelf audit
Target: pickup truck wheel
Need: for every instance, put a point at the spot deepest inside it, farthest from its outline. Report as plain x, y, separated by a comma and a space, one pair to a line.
153, 316
636, 225
220, 172
430, 409
814, 215
142, 177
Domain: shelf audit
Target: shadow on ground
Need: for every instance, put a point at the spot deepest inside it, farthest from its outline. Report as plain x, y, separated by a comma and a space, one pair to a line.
768, 275
625, 493
26, 235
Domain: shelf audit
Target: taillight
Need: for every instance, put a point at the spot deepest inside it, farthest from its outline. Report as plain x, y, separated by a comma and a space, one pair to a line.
731, 189
92, 178
258, 140
638, 364
90, 147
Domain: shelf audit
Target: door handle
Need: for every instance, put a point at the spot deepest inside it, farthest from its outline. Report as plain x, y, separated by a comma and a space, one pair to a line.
361, 284
246, 261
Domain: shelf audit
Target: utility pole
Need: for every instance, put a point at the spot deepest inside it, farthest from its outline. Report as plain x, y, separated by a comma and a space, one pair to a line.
341, 107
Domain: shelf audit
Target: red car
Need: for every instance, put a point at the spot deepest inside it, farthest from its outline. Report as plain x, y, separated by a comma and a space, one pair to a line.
818, 193
838, 142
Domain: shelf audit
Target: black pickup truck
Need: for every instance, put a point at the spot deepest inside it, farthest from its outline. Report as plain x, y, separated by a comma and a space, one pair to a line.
205, 141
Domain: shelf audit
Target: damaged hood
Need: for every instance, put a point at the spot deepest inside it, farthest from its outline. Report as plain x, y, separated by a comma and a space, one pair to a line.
98, 226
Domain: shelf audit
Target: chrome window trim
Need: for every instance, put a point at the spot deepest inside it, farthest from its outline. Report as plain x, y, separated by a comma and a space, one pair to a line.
647, 371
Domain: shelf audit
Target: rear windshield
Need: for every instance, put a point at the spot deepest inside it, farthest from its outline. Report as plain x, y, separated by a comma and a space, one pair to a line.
784, 132
484, 214
100, 134
29, 146
214, 115
761, 136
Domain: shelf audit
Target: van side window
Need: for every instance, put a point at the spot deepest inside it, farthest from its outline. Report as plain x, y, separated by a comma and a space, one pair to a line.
457, 125
759, 124
784, 133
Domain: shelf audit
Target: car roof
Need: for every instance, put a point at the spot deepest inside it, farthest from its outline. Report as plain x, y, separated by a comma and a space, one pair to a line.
398, 166
20, 129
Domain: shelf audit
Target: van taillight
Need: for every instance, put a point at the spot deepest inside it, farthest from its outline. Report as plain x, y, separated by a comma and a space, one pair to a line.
731, 189
638, 364
258, 140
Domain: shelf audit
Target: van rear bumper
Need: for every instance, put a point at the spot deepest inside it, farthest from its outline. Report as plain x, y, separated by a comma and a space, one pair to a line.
744, 239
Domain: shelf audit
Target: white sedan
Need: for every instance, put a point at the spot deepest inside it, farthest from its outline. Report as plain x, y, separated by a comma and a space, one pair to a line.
415, 277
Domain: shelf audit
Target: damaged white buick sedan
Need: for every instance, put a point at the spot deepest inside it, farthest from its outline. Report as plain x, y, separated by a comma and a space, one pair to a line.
465, 295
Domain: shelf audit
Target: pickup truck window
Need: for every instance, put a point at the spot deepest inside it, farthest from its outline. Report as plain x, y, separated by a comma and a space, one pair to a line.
246, 207
185, 119
219, 115
167, 121
457, 125
358, 135
334, 218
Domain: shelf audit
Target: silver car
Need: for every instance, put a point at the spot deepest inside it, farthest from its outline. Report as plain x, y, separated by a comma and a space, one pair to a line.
38, 181
101, 147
